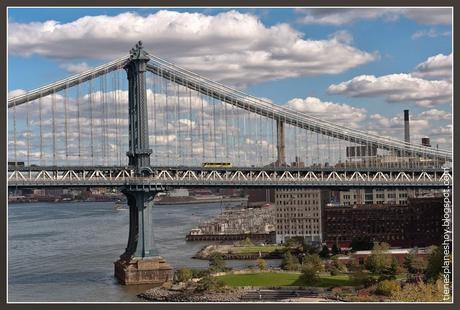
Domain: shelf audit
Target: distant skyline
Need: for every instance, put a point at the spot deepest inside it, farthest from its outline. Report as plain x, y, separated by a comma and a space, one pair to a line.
359, 67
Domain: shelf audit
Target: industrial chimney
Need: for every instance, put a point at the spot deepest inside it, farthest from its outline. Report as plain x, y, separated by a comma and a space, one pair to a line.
406, 126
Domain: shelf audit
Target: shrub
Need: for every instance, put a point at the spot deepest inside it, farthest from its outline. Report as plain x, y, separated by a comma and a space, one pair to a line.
290, 262
216, 262
314, 260
261, 264
183, 274
309, 274
388, 288
209, 283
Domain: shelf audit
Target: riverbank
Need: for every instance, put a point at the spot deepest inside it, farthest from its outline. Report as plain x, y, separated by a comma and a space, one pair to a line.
236, 252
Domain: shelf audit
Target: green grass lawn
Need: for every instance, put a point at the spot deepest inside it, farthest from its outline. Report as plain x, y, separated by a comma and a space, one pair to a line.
282, 279
256, 249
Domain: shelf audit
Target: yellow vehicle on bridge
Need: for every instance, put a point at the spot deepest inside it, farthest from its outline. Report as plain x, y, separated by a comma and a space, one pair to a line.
216, 165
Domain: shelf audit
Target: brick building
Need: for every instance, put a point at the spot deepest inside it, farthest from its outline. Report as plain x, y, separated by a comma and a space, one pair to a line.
417, 223
299, 212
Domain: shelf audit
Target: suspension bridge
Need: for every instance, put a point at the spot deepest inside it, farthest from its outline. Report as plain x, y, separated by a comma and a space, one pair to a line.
166, 127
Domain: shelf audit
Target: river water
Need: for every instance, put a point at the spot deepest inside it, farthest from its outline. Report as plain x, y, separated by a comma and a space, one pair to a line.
65, 251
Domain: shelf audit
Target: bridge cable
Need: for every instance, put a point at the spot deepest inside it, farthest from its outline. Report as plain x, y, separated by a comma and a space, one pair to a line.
65, 123
14, 134
28, 135
53, 107
40, 128
177, 127
90, 97
202, 127
190, 124
78, 122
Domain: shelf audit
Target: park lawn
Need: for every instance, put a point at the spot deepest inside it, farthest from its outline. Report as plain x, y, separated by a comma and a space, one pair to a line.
256, 249
267, 279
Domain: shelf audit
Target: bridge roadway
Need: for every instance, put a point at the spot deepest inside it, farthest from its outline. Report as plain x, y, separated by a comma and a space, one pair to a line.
170, 177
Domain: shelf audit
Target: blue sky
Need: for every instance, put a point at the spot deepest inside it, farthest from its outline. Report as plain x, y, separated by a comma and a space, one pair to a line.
393, 42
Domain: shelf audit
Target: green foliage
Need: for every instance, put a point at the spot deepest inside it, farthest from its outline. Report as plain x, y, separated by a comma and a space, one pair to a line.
309, 274
324, 253
199, 273
388, 288
290, 262
261, 264
414, 264
381, 262
216, 262
293, 243
435, 263
360, 277
183, 274
209, 283
335, 266
246, 242
309, 249
335, 249
314, 260
420, 292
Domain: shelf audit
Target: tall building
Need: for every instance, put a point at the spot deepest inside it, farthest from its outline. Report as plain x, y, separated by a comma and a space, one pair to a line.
299, 213
393, 196
417, 223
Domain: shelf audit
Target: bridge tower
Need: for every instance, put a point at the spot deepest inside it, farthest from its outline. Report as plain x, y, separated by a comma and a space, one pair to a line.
140, 262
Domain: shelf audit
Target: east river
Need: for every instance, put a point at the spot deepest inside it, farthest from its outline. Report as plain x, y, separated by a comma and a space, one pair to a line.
65, 251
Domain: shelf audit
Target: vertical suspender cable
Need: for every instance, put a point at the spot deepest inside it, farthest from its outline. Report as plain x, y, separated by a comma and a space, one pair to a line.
14, 134
41, 128
28, 136
65, 123
190, 124
90, 97
78, 123
53, 119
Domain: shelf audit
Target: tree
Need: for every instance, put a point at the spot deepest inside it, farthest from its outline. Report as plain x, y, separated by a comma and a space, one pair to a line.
314, 260
309, 274
414, 264
435, 264
209, 283
216, 262
183, 274
246, 242
290, 262
335, 249
293, 243
261, 264
325, 253
380, 259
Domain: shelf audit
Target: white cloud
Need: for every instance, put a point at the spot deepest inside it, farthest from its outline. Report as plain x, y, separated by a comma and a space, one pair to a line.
435, 114
232, 47
75, 67
342, 36
438, 66
396, 88
330, 111
341, 16
430, 33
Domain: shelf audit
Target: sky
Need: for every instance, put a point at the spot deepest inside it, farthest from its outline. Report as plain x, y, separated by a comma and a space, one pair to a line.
360, 67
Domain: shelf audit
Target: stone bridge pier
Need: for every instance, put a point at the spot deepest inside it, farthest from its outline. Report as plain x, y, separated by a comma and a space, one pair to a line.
140, 263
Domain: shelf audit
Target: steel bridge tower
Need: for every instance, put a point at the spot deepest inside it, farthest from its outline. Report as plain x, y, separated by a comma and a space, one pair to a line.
140, 262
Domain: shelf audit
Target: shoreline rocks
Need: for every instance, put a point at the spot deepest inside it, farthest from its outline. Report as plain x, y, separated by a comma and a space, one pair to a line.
167, 295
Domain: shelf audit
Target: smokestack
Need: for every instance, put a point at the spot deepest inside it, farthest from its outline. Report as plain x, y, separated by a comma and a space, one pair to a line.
406, 126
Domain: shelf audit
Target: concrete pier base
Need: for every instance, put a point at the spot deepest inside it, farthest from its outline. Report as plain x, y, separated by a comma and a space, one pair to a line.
151, 270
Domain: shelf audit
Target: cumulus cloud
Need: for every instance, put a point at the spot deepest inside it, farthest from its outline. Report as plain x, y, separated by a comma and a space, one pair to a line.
438, 66
336, 112
75, 67
341, 16
396, 88
231, 46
